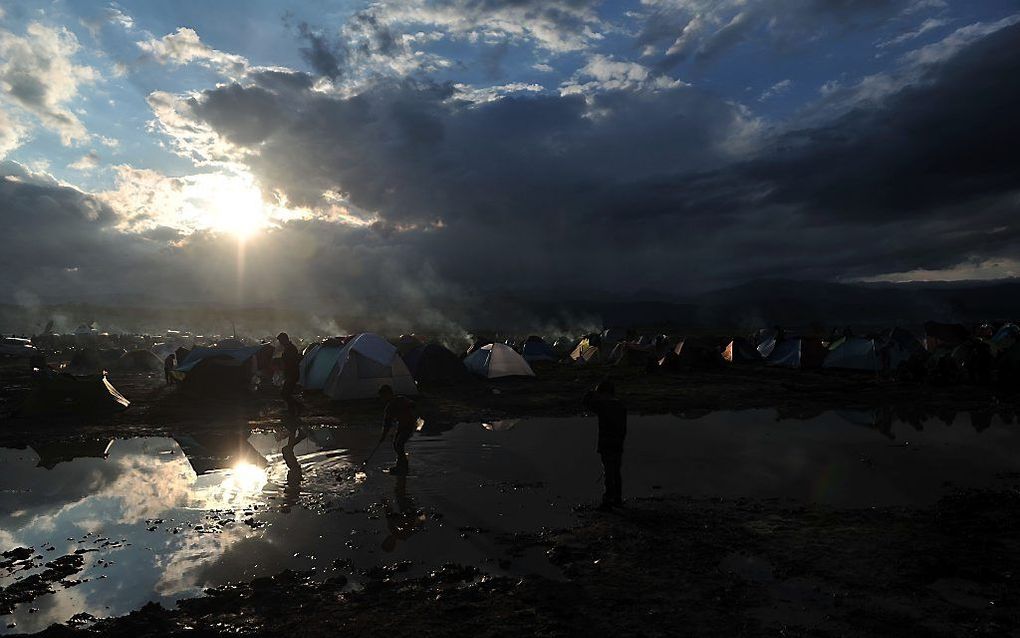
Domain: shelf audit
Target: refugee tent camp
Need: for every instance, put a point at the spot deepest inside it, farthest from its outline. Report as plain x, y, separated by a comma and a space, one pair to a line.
138, 361
84, 395
356, 369
497, 360
741, 350
433, 363
853, 353
15, 347
799, 352
536, 349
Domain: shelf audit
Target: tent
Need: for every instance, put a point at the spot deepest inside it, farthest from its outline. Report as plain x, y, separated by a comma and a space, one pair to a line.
692, 354
563, 346
854, 353
356, 368
432, 363
536, 349
138, 361
588, 350
799, 353
937, 335
632, 354
317, 362
741, 351
896, 347
55, 393
611, 336
85, 362
497, 360
407, 343
1005, 337
214, 370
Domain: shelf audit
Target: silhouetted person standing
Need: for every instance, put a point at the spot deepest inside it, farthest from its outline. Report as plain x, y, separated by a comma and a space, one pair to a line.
168, 365
399, 411
612, 414
291, 371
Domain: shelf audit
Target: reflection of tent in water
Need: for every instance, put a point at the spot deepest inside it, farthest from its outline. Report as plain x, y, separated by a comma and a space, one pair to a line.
356, 369
53, 452
207, 452
432, 363
503, 425
138, 361
880, 420
498, 360
55, 393
215, 370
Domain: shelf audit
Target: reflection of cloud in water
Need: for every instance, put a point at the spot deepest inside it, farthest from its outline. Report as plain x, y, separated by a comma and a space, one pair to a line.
181, 569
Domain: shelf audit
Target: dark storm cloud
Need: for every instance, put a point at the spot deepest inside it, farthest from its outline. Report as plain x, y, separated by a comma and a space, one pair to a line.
946, 140
571, 189
326, 57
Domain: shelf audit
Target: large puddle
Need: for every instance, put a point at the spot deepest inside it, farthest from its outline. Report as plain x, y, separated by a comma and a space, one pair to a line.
158, 519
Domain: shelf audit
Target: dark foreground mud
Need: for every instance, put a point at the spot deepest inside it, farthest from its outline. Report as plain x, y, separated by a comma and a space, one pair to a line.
667, 567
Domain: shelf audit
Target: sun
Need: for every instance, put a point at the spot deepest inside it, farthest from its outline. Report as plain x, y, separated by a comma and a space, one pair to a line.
229, 204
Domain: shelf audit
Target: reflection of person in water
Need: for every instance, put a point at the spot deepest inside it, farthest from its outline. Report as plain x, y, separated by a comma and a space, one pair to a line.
294, 475
612, 414
403, 521
399, 411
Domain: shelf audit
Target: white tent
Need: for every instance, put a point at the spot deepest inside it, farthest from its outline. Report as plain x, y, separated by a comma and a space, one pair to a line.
497, 360
855, 353
357, 369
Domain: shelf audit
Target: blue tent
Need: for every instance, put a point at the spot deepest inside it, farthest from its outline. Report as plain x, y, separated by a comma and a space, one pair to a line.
201, 353
536, 349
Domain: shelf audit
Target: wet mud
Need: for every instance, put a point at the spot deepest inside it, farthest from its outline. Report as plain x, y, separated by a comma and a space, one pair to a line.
664, 567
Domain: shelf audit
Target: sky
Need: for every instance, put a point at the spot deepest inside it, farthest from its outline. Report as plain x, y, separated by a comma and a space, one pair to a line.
266, 151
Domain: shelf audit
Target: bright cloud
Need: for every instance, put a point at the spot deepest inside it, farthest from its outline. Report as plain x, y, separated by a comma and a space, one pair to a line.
185, 47
38, 75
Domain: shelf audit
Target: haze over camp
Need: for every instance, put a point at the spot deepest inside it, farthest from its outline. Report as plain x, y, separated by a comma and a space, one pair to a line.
498, 318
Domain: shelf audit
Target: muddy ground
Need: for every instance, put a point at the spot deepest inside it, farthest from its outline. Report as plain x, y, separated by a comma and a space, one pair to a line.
668, 566
660, 566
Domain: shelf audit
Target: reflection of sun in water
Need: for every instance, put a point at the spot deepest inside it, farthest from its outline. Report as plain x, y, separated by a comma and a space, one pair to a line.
244, 479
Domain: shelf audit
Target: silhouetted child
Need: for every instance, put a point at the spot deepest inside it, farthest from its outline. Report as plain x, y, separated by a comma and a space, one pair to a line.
400, 411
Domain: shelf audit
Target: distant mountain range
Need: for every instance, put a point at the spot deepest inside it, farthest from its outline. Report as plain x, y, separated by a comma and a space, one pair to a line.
760, 303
